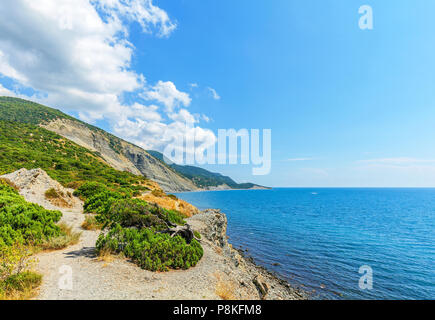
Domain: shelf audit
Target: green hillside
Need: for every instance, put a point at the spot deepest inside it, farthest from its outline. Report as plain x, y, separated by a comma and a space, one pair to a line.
16, 110
23, 111
28, 146
107, 193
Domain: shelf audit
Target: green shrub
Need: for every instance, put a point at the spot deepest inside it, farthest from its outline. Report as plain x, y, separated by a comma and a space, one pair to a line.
101, 202
89, 189
134, 213
25, 222
197, 234
151, 251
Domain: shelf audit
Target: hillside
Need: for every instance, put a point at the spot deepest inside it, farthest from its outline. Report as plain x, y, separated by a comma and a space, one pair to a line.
116, 152
28, 146
205, 179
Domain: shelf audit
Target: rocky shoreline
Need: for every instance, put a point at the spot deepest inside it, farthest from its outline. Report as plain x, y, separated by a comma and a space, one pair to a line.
246, 274
222, 273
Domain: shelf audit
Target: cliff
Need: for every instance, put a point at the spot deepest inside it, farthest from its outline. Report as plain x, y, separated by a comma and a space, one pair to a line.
124, 156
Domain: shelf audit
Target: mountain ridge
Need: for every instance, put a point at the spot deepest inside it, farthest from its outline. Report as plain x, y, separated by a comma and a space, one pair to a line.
205, 179
116, 152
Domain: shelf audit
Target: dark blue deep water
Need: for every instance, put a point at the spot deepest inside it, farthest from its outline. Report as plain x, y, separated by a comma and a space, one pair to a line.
321, 237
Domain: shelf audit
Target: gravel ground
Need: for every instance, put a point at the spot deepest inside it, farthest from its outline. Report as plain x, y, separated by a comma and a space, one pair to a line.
222, 273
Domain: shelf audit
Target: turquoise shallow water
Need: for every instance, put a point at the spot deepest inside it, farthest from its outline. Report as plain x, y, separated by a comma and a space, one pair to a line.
321, 237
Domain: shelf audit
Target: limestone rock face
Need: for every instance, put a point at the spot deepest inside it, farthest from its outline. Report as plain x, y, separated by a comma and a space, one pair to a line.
34, 183
247, 280
120, 154
212, 224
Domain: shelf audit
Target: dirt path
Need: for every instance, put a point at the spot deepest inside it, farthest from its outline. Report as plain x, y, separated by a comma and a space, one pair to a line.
119, 279
216, 276
76, 273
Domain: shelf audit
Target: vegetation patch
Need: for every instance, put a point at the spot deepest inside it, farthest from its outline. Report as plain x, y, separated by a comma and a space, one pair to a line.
23, 222
150, 250
91, 223
16, 280
133, 228
67, 238
52, 193
197, 234
33, 147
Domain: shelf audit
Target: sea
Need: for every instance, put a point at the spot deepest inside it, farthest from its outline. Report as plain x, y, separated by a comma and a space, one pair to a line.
336, 243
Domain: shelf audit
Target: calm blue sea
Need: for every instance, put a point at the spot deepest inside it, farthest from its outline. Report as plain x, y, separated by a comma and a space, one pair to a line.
321, 237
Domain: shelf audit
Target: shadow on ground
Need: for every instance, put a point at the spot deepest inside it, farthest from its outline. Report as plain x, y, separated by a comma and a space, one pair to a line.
87, 252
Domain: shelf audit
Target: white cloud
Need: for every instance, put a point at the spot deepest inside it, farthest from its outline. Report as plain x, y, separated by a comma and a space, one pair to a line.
193, 85
167, 93
214, 93
76, 56
205, 118
141, 11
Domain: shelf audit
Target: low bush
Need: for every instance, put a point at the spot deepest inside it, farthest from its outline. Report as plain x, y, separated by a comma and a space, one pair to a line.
150, 250
4, 181
16, 281
89, 189
133, 227
24, 222
101, 202
134, 213
197, 234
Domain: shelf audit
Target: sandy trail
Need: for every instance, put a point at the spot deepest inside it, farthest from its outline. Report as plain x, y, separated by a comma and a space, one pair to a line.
119, 279
76, 273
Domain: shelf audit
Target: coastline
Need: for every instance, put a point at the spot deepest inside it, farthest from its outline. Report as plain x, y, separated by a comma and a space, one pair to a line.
245, 274
238, 255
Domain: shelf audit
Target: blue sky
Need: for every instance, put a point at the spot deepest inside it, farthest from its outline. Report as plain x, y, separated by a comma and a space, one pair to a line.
346, 107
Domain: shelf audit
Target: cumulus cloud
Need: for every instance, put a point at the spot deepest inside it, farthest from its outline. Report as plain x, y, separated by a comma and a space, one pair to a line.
141, 11
214, 93
76, 56
167, 93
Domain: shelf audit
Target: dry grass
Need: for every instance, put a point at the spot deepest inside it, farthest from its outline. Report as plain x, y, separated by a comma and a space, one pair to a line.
68, 239
91, 223
158, 193
170, 203
10, 183
105, 255
58, 198
23, 286
224, 288
17, 281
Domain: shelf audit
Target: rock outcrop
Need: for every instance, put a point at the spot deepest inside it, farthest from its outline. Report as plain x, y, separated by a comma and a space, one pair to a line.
120, 154
242, 274
34, 184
